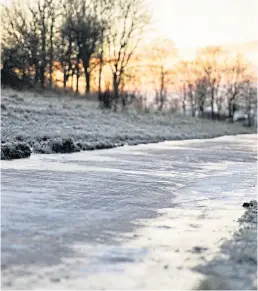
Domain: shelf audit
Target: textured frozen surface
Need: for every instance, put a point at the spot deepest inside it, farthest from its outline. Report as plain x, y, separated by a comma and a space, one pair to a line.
61, 124
127, 218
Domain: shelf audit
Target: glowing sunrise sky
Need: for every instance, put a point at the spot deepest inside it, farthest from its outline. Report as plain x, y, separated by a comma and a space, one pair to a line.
197, 23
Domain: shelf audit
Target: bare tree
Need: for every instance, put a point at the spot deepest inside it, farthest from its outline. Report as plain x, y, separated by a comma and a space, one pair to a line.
53, 13
236, 71
20, 38
82, 32
251, 103
87, 32
209, 62
129, 19
161, 54
247, 98
186, 75
180, 88
103, 13
66, 41
30, 29
46, 13
201, 92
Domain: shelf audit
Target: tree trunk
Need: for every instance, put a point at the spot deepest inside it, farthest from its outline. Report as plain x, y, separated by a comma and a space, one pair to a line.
162, 93
73, 81
36, 79
191, 97
65, 77
192, 105
201, 105
67, 61
234, 108
184, 100
51, 53
231, 110
201, 110
43, 50
100, 73
42, 74
77, 73
63, 62
212, 104
101, 64
87, 78
86, 66
77, 81
50, 72
249, 118
115, 90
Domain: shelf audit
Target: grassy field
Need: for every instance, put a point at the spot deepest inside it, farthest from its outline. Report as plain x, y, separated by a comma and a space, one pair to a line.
50, 123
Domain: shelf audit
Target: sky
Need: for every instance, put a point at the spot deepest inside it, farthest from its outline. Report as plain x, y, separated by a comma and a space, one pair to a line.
197, 23
192, 24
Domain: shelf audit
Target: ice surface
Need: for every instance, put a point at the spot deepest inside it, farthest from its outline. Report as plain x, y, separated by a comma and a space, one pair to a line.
124, 218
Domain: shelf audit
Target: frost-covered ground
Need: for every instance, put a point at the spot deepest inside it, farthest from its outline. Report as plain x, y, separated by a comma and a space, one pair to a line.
148, 217
53, 123
235, 267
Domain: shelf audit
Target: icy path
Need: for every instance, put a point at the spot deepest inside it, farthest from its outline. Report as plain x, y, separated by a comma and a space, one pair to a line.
126, 218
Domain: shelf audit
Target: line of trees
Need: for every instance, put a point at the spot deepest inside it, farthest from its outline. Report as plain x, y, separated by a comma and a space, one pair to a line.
73, 37
48, 42
219, 81
215, 84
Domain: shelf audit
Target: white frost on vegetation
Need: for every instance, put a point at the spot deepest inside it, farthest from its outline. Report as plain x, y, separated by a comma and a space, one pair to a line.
46, 119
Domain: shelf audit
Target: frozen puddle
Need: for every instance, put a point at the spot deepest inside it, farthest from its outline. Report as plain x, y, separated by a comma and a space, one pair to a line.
128, 218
